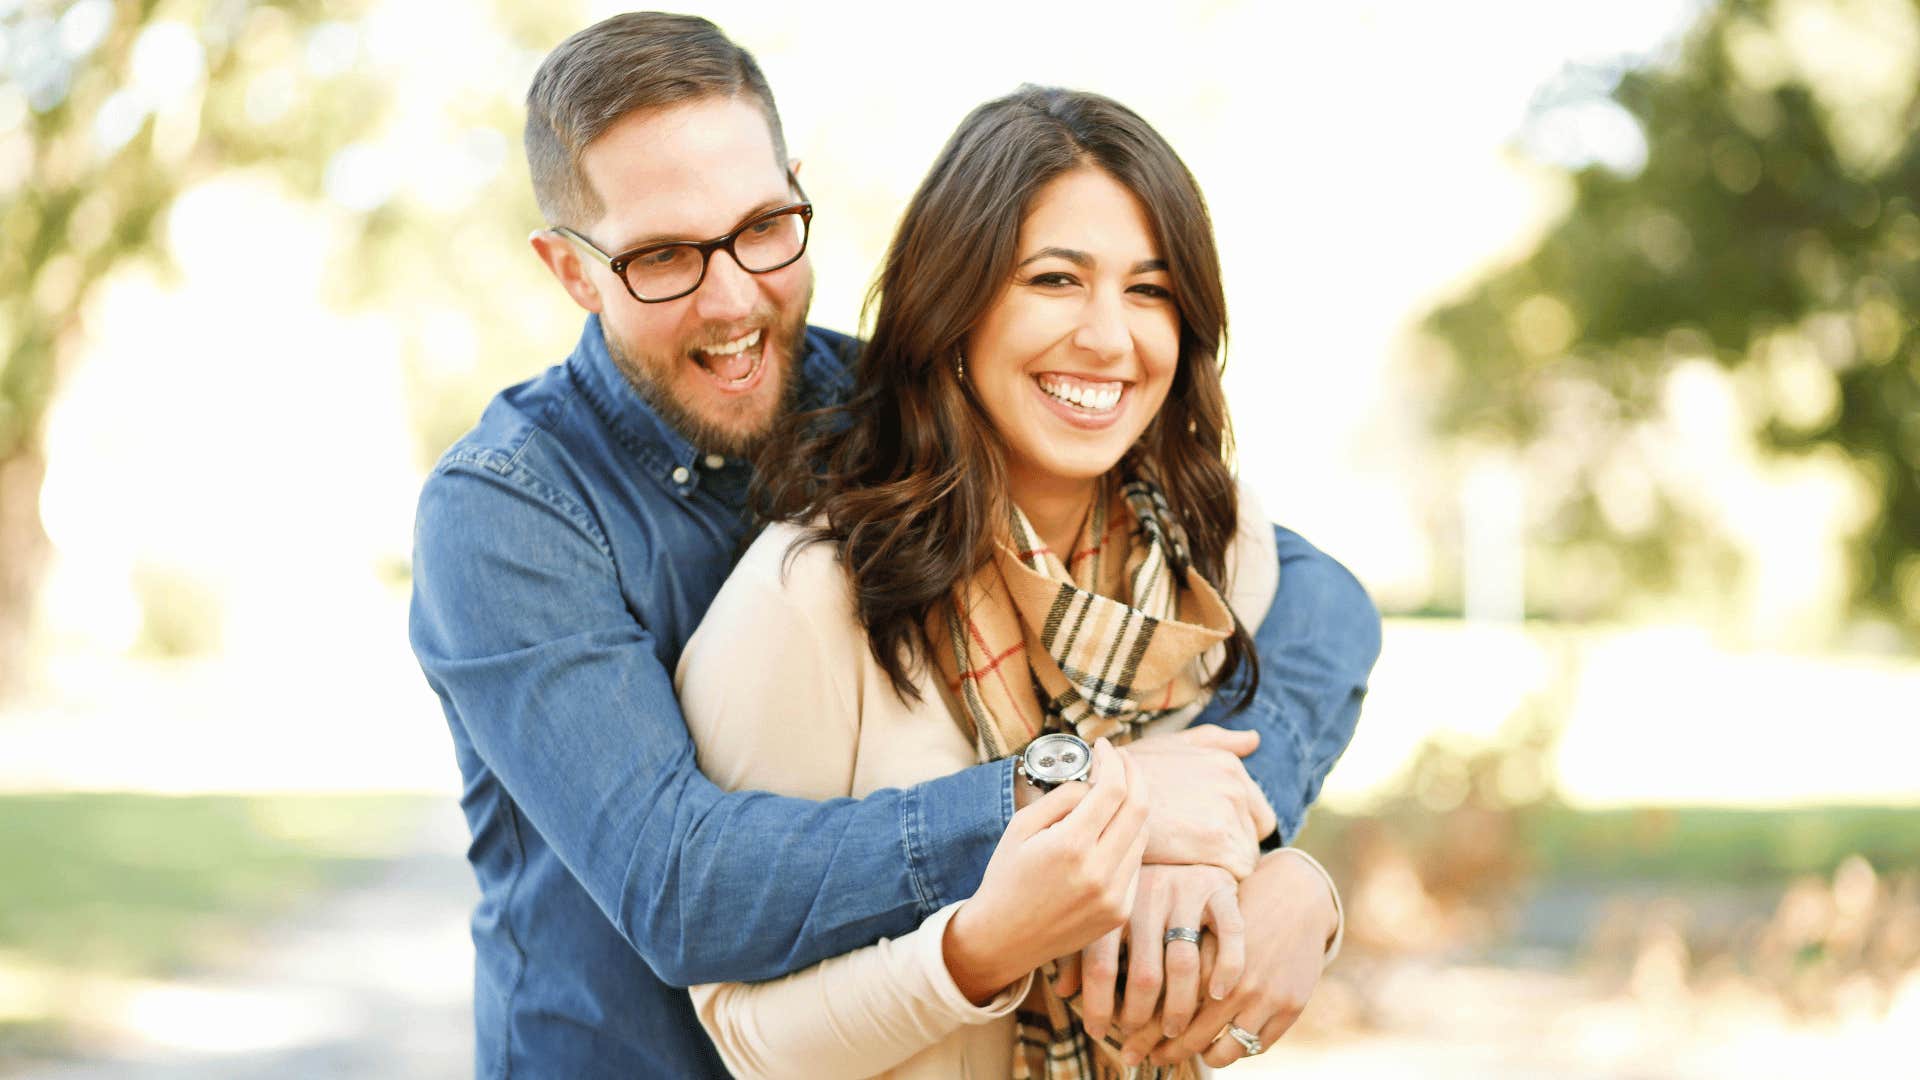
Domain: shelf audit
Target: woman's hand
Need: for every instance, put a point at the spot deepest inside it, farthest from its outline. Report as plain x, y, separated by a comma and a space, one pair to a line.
1290, 917
1168, 896
1063, 874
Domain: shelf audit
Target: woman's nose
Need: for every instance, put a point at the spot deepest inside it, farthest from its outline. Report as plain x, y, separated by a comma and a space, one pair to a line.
1103, 328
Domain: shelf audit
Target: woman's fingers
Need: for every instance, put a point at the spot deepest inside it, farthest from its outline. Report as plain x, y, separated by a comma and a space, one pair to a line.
1106, 795
1230, 932
1182, 963
1047, 810
1215, 737
1099, 970
1144, 952
1066, 977
1128, 825
1135, 1048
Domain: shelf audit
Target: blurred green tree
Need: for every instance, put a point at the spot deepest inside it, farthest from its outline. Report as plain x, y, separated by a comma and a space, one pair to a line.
1772, 230
109, 111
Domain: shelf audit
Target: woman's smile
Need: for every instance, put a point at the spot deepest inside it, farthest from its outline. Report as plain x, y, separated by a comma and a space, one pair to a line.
1083, 402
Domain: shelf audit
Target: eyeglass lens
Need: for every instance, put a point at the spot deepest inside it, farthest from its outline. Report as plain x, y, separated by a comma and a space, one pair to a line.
763, 245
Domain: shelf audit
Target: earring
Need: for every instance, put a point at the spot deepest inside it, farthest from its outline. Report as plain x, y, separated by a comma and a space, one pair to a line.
960, 366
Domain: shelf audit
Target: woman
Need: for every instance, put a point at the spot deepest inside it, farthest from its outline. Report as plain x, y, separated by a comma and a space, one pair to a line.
1018, 529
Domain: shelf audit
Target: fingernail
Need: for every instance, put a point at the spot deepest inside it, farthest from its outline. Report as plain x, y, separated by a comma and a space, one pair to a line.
1216, 994
1173, 1030
1131, 1057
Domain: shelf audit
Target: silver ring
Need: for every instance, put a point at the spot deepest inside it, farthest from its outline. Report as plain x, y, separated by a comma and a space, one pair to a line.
1181, 933
1248, 1040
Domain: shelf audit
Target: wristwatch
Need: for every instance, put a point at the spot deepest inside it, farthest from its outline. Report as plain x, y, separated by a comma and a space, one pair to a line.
1054, 759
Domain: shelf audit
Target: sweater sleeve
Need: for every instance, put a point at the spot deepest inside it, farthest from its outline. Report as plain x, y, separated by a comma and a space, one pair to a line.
857, 1014
770, 688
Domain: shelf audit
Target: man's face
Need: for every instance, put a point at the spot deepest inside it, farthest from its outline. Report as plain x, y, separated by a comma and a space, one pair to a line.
720, 364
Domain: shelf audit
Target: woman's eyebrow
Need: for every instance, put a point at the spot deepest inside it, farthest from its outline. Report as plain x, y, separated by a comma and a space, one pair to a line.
1077, 258
1084, 260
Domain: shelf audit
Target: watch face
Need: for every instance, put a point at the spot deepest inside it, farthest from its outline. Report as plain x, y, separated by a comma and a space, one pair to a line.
1057, 758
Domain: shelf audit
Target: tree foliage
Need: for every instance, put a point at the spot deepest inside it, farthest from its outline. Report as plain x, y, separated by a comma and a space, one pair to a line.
1773, 232
109, 111
114, 109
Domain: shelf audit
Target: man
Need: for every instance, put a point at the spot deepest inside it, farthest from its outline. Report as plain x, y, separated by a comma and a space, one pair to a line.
567, 547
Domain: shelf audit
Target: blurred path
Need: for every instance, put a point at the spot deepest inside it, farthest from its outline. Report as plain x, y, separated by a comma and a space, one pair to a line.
373, 981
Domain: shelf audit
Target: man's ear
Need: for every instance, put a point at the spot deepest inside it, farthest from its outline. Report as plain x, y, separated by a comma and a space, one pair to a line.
561, 258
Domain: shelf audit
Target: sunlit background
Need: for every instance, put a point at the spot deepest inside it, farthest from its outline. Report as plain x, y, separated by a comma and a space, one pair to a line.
1582, 333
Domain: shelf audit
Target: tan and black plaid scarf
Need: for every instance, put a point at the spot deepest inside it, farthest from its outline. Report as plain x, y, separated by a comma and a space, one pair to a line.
1099, 642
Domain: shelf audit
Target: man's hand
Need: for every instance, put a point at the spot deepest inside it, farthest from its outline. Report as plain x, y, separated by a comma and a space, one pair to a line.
1205, 807
1289, 916
1188, 896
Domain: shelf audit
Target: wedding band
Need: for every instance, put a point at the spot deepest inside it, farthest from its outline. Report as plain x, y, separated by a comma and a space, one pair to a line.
1248, 1040
1181, 933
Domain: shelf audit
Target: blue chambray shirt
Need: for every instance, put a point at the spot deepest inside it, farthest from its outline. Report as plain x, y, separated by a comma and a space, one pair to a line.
565, 549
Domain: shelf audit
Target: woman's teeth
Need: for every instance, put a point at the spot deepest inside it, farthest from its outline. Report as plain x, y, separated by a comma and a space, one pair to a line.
1093, 397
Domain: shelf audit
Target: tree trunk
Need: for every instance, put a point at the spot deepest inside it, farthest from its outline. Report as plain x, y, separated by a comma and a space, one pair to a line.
23, 555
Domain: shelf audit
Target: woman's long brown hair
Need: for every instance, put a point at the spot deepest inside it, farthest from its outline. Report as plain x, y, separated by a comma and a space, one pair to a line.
908, 478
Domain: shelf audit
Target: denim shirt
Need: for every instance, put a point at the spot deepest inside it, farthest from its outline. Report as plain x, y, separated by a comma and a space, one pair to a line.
564, 552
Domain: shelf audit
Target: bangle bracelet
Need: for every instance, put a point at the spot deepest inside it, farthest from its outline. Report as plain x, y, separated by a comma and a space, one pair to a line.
1339, 910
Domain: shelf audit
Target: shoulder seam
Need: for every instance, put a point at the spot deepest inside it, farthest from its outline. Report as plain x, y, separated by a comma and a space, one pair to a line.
511, 469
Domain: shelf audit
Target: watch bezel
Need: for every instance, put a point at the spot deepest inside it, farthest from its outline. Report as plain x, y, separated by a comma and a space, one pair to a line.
1028, 764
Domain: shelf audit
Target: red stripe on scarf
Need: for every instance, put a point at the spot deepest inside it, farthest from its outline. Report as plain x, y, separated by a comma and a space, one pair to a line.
973, 630
991, 665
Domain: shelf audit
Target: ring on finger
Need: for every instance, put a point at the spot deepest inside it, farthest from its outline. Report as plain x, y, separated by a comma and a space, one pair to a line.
1248, 1040
1181, 933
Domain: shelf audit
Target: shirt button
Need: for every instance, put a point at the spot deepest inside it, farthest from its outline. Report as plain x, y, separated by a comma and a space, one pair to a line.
681, 475
715, 461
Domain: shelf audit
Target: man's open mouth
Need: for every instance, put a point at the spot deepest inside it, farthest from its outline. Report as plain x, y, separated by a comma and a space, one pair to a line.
735, 363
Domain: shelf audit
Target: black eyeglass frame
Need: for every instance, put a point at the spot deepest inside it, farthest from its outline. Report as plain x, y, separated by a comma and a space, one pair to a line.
619, 263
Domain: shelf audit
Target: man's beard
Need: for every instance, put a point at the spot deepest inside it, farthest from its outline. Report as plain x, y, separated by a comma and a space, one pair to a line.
654, 377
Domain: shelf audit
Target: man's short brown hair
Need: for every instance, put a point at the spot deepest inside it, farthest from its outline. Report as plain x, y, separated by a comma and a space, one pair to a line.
639, 60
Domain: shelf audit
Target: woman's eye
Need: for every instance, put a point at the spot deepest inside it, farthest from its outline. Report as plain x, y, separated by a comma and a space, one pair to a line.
1158, 292
1054, 280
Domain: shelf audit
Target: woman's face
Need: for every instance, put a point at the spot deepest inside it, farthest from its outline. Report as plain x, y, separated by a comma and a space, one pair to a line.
1074, 357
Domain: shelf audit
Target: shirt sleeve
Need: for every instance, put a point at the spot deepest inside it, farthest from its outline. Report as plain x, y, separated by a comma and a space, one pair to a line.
1316, 645
521, 627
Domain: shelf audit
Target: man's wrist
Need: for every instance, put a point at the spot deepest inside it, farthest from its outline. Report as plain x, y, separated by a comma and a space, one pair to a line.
1024, 792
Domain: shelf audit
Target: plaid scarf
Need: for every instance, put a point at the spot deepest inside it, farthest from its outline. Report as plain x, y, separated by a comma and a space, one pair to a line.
1100, 644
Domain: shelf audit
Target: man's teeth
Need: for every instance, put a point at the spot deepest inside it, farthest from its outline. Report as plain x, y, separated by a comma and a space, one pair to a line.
736, 346
1093, 397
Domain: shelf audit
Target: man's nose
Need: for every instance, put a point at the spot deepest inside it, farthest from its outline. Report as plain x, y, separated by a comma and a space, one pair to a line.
1103, 328
728, 293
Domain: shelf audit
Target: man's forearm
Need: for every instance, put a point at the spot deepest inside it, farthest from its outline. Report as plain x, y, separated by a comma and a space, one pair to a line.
564, 700
816, 880
1316, 647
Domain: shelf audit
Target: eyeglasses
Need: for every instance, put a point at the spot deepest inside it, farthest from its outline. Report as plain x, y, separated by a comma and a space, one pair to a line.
657, 273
